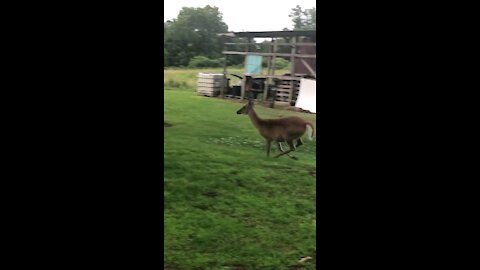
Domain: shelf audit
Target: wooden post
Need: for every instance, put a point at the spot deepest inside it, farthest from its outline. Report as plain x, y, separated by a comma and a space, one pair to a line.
292, 69
269, 68
310, 69
244, 80
224, 79
275, 47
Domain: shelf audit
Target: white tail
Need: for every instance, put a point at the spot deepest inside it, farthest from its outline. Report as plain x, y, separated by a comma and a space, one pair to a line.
310, 132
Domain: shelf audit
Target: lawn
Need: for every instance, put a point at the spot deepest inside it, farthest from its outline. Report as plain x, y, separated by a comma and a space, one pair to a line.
226, 205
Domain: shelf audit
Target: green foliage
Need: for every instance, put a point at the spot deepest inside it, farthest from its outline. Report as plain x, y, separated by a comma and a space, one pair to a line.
304, 19
202, 61
170, 83
225, 202
193, 33
281, 63
165, 54
235, 60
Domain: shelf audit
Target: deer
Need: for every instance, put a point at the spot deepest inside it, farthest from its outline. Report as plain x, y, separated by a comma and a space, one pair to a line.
288, 129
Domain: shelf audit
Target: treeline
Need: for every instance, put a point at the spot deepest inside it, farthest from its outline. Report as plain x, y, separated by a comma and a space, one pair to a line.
191, 39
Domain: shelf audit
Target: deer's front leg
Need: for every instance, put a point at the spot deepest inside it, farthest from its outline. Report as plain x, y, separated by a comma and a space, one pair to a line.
269, 144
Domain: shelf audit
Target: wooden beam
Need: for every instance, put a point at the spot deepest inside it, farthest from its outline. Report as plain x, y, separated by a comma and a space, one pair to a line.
274, 56
271, 54
270, 64
292, 69
285, 77
224, 79
242, 89
272, 43
309, 68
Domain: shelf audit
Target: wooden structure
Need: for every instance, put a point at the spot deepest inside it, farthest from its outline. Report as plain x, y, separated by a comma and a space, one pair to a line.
302, 57
208, 84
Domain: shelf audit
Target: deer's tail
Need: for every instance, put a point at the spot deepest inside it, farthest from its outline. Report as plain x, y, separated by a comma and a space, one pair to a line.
310, 131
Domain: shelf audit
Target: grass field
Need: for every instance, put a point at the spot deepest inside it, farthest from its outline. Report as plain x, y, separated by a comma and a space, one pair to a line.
226, 205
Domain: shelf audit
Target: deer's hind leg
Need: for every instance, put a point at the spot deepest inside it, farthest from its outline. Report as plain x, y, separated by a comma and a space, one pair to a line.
281, 150
299, 142
280, 146
292, 148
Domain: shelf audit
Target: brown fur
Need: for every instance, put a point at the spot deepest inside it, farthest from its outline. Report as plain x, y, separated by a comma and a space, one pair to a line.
287, 129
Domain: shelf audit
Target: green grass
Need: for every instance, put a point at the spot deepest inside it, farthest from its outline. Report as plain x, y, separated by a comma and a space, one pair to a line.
226, 205
176, 78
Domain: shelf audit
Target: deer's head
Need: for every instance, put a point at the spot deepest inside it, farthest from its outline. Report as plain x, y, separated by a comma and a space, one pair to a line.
246, 109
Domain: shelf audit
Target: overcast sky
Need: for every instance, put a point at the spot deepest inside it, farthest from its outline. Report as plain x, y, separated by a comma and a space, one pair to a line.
244, 15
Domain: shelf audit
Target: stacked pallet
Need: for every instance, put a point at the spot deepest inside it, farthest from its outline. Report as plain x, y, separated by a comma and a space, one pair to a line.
208, 84
233, 97
284, 89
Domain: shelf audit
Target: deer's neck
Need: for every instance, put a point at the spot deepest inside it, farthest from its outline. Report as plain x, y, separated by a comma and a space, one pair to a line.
255, 119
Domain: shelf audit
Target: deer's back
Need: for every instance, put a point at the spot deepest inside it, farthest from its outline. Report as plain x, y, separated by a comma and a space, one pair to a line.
284, 128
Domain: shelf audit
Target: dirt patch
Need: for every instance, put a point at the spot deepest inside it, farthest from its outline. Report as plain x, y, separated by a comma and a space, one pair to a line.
313, 173
166, 124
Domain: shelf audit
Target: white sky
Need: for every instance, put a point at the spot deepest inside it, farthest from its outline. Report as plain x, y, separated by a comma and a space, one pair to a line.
244, 15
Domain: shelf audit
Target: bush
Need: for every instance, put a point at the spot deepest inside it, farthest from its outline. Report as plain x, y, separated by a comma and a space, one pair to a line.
235, 60
175, 84
281, 63
203, 61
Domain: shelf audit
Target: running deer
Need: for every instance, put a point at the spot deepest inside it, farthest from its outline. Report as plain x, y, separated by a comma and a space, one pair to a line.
289, 129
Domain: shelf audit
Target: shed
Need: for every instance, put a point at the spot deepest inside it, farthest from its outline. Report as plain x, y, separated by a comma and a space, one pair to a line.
302, 56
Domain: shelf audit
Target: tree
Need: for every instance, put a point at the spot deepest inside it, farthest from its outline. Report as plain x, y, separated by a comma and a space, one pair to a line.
304, 19
193, 33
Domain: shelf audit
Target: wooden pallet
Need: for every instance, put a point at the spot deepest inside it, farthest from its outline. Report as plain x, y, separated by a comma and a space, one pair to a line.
209, 84
282, 96
206, 95
284, 88
282, 103
208, 89
233, 97
209, 93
